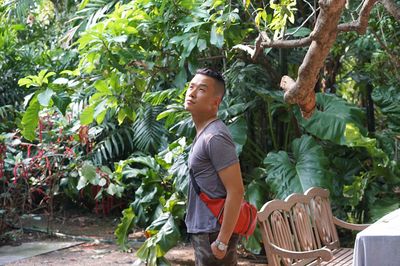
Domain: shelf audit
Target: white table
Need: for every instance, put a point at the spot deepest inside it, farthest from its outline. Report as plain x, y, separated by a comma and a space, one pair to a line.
379, 244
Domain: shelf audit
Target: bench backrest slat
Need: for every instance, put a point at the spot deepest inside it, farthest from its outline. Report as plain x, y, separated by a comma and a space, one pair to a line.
301, 222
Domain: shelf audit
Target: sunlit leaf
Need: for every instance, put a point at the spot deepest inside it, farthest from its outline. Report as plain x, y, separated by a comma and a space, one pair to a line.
87, 115
45, 97
30, 119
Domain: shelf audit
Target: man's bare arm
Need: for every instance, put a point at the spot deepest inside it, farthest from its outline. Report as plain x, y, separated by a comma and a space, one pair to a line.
231, 177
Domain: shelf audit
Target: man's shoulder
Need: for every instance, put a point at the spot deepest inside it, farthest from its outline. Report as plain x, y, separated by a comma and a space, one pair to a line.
218, 127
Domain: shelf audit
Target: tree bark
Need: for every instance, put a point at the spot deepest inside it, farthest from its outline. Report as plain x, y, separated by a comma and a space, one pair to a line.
301, 91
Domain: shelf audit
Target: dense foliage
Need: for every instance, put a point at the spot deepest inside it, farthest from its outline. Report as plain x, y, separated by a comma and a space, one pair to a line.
91, 110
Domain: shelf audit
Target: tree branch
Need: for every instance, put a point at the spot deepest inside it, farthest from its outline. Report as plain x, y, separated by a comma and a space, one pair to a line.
320, 41
303, 42
360, 25
323, 36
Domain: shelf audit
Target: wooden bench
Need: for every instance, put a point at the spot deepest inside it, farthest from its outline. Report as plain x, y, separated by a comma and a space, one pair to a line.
301, 230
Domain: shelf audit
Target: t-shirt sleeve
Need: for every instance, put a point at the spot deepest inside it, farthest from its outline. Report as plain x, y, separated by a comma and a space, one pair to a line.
221, 150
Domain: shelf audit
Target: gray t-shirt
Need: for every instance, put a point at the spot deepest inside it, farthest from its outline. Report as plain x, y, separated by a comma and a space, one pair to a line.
213, 151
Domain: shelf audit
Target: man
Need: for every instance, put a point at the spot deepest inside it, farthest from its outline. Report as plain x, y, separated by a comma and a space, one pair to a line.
216, 169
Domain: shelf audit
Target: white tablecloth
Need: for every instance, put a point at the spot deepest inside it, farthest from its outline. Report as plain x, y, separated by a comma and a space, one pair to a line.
379, 244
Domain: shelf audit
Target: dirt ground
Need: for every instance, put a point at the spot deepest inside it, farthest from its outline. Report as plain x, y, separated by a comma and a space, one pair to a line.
98, 247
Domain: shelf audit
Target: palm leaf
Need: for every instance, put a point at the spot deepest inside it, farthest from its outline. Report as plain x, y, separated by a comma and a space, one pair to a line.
89, 13
115, 143
148, 132
19, 8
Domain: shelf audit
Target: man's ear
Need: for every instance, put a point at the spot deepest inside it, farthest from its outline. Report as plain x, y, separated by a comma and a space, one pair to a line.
217, 100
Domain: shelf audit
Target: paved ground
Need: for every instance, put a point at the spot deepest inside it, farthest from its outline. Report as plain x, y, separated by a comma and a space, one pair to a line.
99, 246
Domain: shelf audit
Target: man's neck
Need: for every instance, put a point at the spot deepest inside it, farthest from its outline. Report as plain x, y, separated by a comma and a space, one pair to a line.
201, 122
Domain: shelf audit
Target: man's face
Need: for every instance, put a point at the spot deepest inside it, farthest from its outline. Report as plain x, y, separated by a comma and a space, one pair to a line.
201, 95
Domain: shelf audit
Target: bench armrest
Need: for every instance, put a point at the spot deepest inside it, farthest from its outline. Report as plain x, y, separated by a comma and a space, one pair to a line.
350, 226
323, 253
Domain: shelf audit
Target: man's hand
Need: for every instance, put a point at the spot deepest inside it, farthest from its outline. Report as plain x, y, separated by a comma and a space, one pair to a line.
217, 253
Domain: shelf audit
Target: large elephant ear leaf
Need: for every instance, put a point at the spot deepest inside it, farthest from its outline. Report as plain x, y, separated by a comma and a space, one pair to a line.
306, 167
330, 119
388, 100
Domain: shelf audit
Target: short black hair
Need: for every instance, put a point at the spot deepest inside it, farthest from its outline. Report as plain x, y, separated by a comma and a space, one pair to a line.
215, 75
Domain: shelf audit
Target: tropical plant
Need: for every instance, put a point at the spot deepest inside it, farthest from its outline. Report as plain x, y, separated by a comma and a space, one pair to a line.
159, 201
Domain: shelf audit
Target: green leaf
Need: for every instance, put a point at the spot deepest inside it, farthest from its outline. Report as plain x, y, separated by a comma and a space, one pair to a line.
82, 183
253, 243
189, 43
256, 193
102, 182
307, 168
45, 97
383, 206
61, 101
120, 39
43, 76
329, 123
168, 236
180, 79
388, 101
25, 82
354, 138
101, 86
83, 4
217, 36
30, 119
165, 235
177, 39
100, 111
194, 24
247, 4
123, 229
61, 81
260, 17
88, 171
299, 32
355, 192
113, 189
87, 115
121, 116
238, 130
201, 45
